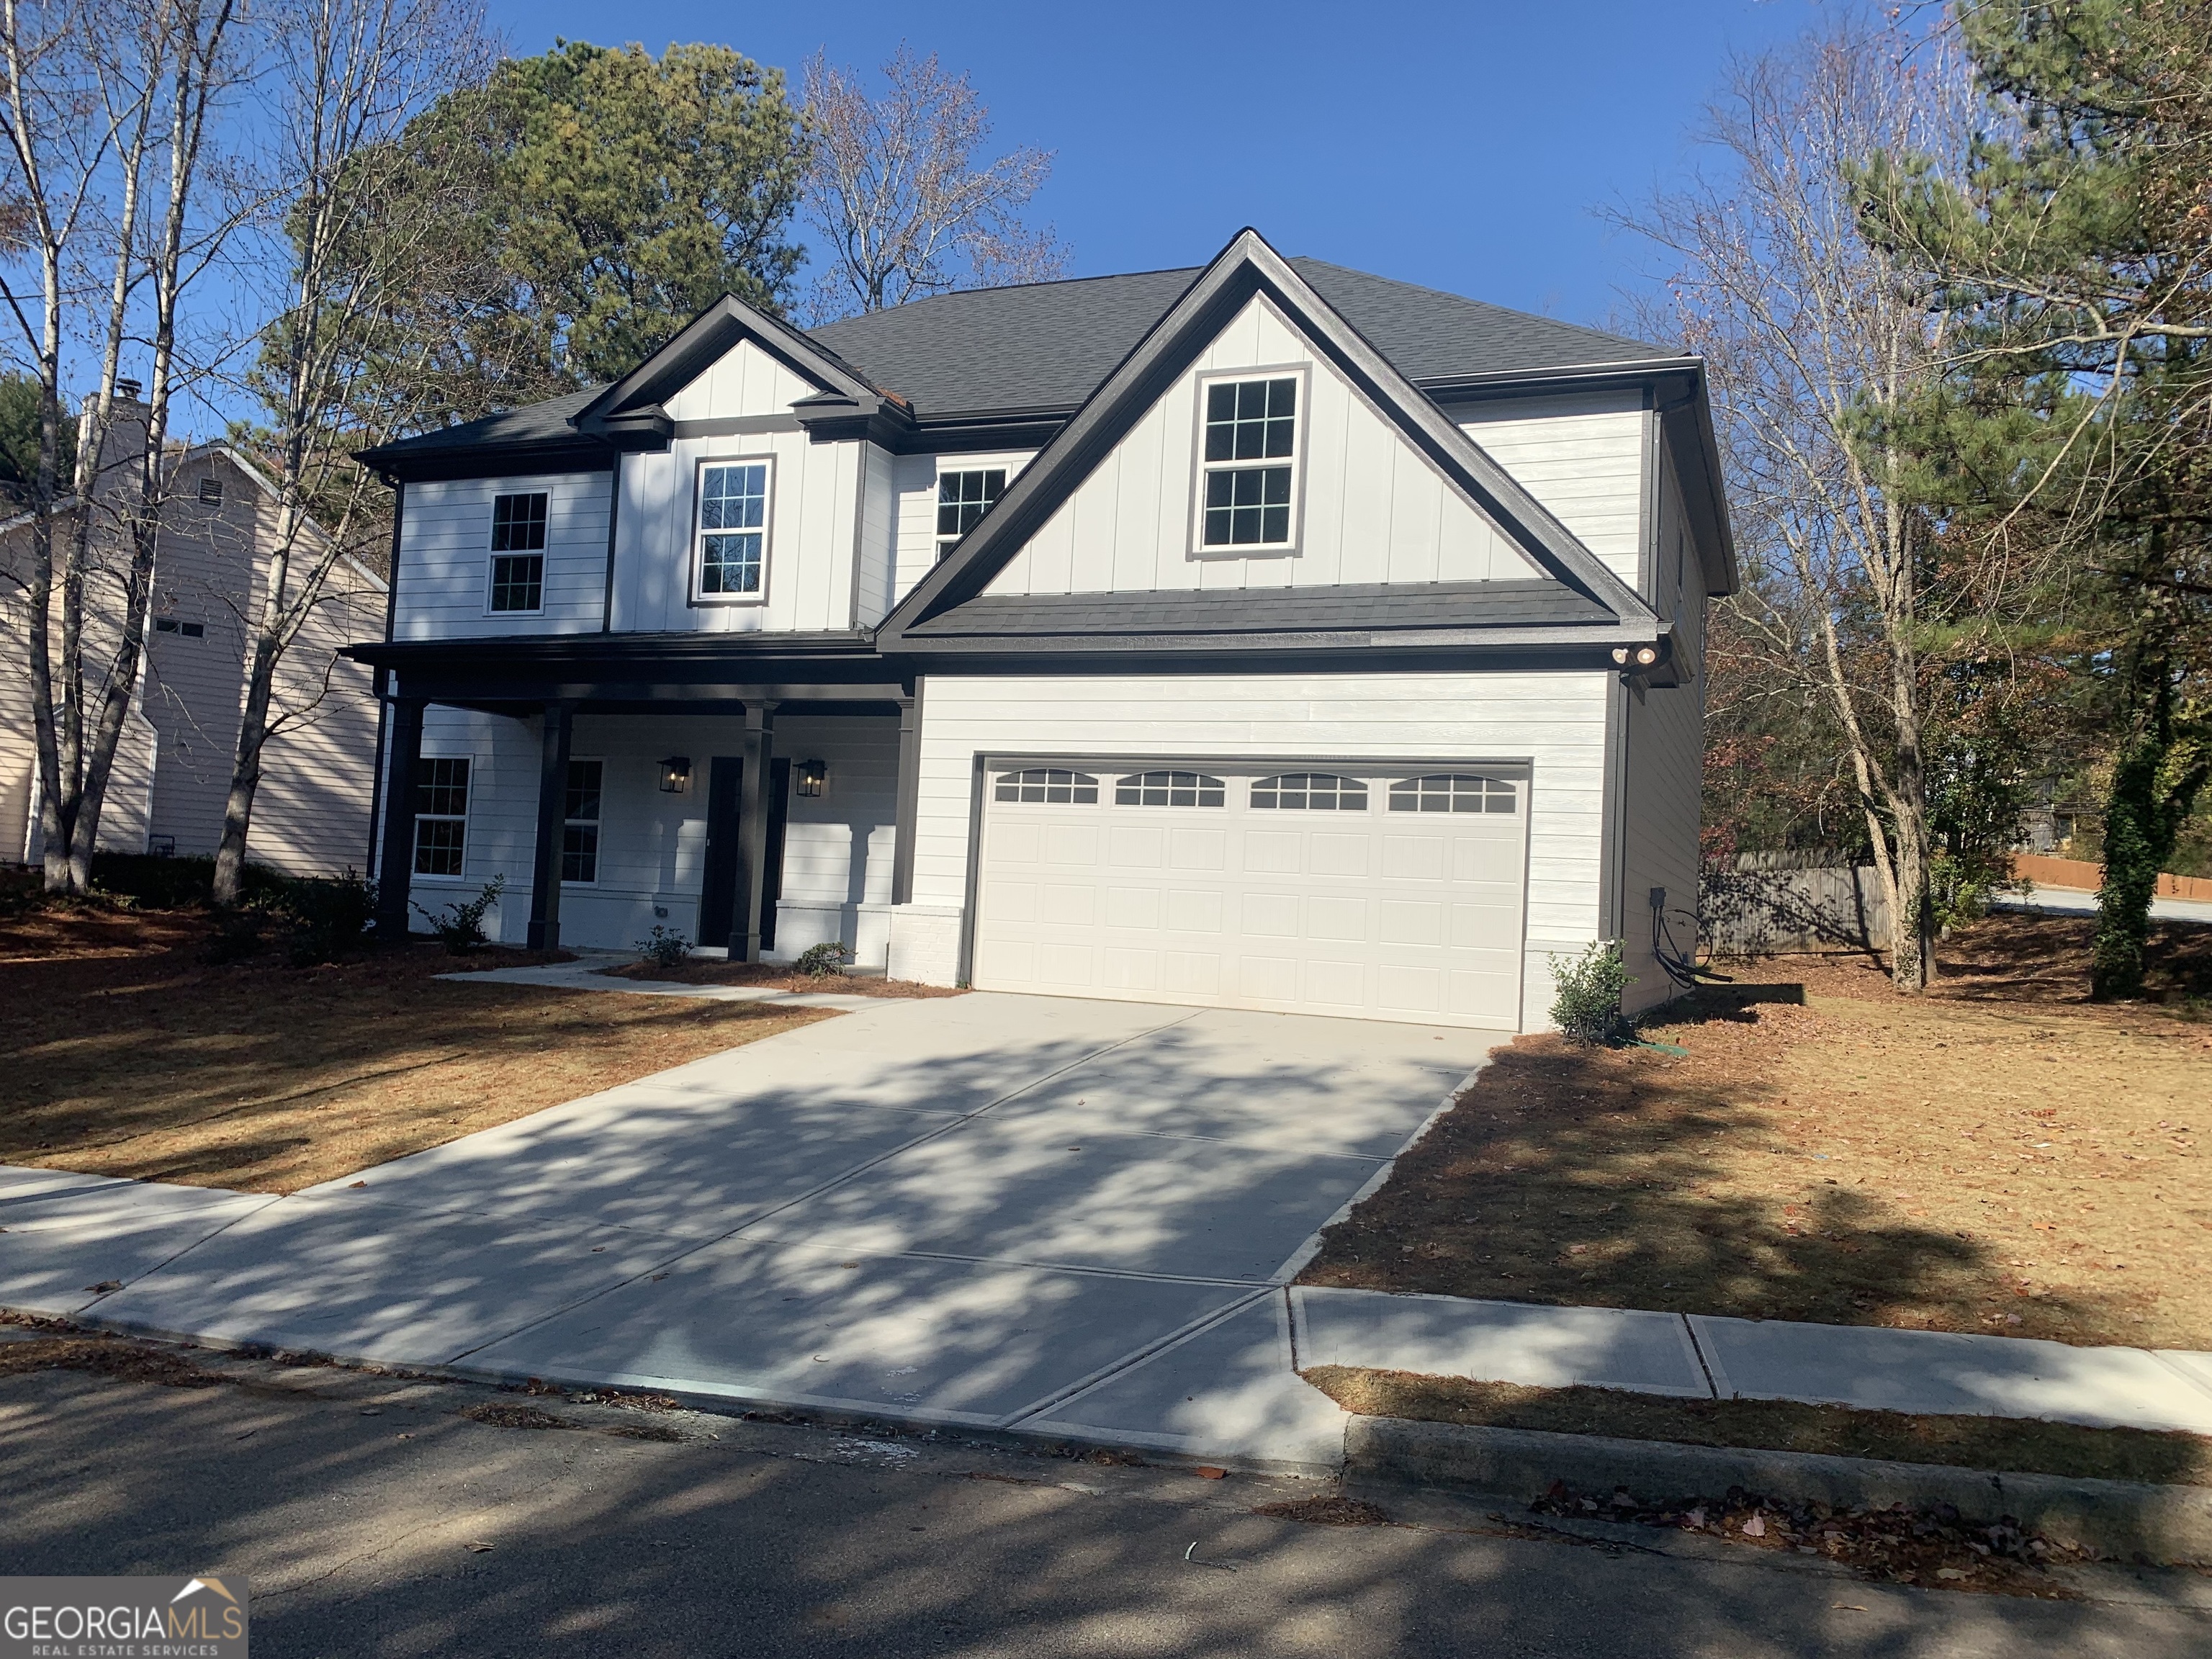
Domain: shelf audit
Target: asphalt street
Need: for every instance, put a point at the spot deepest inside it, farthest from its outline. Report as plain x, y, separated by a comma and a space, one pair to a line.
372, 1517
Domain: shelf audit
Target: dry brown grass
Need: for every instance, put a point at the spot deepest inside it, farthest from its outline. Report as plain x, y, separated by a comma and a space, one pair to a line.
2000, 1157
123, 1054
2023, 1445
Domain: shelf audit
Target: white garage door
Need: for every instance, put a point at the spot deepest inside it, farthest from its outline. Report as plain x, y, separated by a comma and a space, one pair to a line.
1393, 895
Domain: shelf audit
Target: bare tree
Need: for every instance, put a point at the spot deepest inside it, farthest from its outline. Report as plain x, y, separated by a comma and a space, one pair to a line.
1816, 343
896, 189
105, 110
353, 229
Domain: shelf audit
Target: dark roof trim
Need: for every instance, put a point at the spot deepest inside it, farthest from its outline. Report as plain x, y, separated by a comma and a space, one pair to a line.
631, 407
1246, 268
1478, 606
673, 648
491, 460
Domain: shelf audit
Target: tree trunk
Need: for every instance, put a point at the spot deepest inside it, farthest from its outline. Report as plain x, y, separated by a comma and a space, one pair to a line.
244, 773
2155, 781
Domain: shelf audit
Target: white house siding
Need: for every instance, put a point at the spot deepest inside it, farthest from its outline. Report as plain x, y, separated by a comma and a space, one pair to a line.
1553, 721
1581, 457
445, 557
837, 847
744, 381
311, 814
808, 578
1368, 508
877, 553
915, 480
1665, 748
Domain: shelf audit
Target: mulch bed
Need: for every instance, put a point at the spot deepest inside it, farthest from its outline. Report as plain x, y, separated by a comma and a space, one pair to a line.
778, 976
2000, 1155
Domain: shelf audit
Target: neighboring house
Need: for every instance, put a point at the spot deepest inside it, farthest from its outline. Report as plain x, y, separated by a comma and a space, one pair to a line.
313, 812
1272, 635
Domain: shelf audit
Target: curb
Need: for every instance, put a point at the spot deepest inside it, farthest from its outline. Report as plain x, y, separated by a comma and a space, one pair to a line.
2131, 1520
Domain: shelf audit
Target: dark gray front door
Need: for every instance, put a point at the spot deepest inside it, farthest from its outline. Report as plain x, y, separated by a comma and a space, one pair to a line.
718, 892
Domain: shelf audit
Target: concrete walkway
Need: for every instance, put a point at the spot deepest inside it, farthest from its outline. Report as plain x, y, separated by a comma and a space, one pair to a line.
1046, 1215
2073, 902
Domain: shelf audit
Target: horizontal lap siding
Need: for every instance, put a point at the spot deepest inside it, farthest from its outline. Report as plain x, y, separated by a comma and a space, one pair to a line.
311, 815
445, 557
916, 479
1582, 458
1557, 721
838, 845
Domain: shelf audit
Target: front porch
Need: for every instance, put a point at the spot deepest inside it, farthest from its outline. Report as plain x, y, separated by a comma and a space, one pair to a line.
756, 817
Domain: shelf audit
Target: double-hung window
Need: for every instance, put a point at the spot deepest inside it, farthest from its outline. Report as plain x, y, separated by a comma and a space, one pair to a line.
580, 827
962, 498
1248, 475
731, 557
441, 816
517, 552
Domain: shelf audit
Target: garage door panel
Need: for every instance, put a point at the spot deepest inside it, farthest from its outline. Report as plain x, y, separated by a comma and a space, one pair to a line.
1340, 854
1336, 919
1273, 853
1394, 915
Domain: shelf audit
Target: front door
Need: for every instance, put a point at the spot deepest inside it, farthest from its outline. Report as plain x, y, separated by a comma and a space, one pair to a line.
717, 892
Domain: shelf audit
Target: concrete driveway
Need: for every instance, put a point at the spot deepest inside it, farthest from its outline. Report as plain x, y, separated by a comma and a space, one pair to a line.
990, 1210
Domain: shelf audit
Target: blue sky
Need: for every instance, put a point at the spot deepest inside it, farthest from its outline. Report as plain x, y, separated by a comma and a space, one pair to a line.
1461, 146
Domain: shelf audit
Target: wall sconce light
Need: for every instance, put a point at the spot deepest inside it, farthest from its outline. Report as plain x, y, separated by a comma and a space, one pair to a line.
813, 776
675, 775
1644, 656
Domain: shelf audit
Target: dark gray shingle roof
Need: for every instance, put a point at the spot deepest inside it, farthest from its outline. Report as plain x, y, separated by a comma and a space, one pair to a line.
1049, 344
1512, 604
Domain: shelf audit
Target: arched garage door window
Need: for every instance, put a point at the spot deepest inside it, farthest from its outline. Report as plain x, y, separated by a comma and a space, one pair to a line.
1051, 786
1454, 791
1310, 791
1171, 789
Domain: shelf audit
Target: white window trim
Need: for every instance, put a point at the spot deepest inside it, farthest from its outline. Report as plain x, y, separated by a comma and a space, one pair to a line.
1302, 373
492, 558
416, 877
941, 546
700, 599
599, 823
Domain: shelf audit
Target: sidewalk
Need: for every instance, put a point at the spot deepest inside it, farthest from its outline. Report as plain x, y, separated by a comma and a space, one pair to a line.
1226, 1388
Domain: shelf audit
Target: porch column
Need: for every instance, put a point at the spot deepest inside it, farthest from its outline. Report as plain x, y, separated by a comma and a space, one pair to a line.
552, 815
910, 797
395, 864
752, 831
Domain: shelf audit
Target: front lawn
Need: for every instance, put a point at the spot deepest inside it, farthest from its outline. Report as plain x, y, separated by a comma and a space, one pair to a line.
124, 1053
2000, 1155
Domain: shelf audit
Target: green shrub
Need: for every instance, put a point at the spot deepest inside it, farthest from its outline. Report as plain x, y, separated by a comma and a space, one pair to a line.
824, 961
664, 947
460, 927
1588, 1007
329, 916
238, 935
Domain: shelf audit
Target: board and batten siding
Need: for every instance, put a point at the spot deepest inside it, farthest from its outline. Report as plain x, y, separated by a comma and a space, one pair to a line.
1553, 721
1581, 457
914, 480
1368, 507
445, 557
1665, 736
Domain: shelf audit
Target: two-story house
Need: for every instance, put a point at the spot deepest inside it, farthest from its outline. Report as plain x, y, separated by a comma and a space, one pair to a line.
1271, 634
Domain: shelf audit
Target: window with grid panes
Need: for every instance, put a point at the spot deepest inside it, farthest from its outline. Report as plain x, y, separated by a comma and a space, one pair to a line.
962, 498
441, 816
1250, 452
732, 530
1454, 791
1310, 791
1048, 786
579, 828
518, 551
1171, 789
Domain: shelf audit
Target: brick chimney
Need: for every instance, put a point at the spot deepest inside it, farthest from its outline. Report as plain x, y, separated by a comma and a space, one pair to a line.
123, 448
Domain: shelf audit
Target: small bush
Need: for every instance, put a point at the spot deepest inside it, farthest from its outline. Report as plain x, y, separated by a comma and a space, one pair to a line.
238, 934
1588, 1007
460, 927
664, 947
329, 916
824, 961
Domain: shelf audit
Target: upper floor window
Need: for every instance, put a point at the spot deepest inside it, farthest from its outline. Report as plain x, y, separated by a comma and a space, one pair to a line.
579, 828
1250, 462
1171, 789
210, 490
1454, 791
962, 499
732, 551
171, 625
441, 816
517, 552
